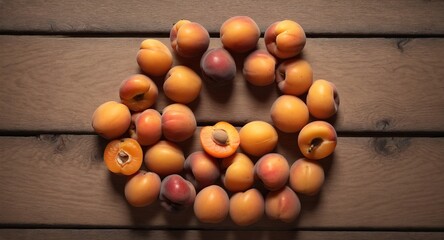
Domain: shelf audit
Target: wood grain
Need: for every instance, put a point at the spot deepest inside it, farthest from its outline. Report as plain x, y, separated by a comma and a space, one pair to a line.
317, 17
371, 183
54, 84
111, 234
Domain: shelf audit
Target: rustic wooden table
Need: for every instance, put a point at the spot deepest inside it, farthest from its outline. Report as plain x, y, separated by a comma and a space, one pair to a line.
60, 59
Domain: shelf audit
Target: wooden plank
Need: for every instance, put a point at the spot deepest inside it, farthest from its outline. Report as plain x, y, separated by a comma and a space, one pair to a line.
371, 183
317, 17
111, 234
53, 84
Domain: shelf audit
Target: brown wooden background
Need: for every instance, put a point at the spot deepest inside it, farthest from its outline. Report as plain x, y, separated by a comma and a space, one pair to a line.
60, 59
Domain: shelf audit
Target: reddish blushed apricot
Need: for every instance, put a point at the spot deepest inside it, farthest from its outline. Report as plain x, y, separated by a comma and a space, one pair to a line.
282, 205
176, 193
189, 39
123, 156
146, 127
202, 169
239, 34
178, 122
138, 92
220, 140
272, 170
218, 67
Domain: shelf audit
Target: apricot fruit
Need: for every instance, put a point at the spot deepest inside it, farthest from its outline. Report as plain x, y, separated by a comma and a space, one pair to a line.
142, 189
247, 207
201, 169
123, 156
258, 138
189, 39
285, 39
317, 140
239, 34
211, 204
283, 205
294, 76
259, 68
111, 119
220, 140
218, 67
146, 127
178, 122
176, 193
154, 58
289, 114
237, 172
322, 99
306, 177
272, 170
138, 92
164, 158
182, 84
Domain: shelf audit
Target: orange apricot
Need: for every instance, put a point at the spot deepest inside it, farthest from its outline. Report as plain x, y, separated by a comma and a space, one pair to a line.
123, 156
111, 119
258, 138
220, 140
165, 158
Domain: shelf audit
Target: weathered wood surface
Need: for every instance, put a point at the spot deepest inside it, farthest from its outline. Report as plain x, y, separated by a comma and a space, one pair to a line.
54, 84
371, 183
111, 234
317, 17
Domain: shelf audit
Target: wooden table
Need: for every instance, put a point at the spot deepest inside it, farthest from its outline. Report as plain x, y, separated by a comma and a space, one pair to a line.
60, 59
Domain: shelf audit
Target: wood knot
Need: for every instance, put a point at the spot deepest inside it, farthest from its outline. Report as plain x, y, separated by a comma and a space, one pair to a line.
387, 146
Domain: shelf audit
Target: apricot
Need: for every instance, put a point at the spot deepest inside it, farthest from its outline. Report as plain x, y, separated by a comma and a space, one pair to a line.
306, 177
283, 205
289, 114
272, 170
317, 140
189, 39
218, 67
178, 122
294, 76
164, 158
154, 58
201, 169
284, 39
146, 127
111, 119
123, 156
176, 193
258, 138
246, 207
142, 189
182, 84
238, 172
259, 68
138, 92
322, 99
239, 34
211, 204
220, 140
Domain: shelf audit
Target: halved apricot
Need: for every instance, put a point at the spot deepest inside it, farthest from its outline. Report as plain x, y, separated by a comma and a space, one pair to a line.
123, 156
220, 140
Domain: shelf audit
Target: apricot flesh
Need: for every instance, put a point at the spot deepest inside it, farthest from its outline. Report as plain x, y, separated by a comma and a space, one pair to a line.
289, 114
306, 177
189, 39
142, 189
258, 138
220, 140
283, 205
239, 34
238, 172
211, 204
164, 158
123, 156
247, 207
272, 170
111, 119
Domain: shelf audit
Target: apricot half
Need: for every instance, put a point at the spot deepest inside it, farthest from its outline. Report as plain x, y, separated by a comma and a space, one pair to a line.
220, 140
123, 156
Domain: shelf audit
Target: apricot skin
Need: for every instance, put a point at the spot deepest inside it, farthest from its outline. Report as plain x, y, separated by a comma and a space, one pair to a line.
238, 172
273, 171
322, 99
202, 169
182, 84
258, 138
218, 67
111, 119
154, 58
189, 39
176, 193
247, 207
283, 205
164, 158
317, 140
147, 127
239, 34
259, 68
284, 39
138, 92
142, 189
211, 204
178, 122
289, 114
306, 177
294, 76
